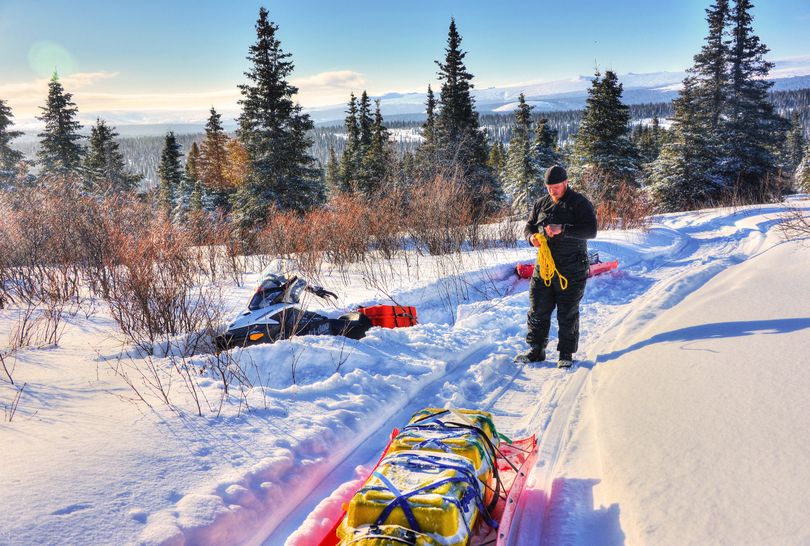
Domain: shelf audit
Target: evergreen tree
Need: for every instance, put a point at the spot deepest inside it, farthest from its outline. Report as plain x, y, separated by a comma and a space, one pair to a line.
104, 163
60, 151
193, 162
332, 174
350, 160
365, 122
803, 171
603, 155
752, 130
682, 177
9, 157
274, 130
377, 157
460, 143
426, 153
709, 73
545, 149
495, 160
521, 183
794, 145
170, 174
213, 164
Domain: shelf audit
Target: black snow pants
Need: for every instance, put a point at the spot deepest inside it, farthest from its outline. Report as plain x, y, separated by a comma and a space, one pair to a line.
542, 301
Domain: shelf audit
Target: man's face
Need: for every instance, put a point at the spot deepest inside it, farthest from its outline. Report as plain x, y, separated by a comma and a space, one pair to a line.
557, 190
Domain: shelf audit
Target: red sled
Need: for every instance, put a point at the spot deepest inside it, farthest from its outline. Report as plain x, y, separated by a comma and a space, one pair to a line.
390, 316
515, 461
525, 271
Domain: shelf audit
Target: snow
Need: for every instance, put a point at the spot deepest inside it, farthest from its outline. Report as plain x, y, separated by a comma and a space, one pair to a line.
682, 423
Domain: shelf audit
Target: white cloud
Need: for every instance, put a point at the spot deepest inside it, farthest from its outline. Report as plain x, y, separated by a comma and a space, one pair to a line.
328, 87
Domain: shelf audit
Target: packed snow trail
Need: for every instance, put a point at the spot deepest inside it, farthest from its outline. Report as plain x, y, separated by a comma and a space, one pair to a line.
659, 269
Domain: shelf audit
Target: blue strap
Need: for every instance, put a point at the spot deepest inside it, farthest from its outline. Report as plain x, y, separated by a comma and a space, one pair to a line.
399, 500
432, 463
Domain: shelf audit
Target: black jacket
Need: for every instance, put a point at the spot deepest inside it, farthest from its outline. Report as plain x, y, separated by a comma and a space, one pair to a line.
569, 249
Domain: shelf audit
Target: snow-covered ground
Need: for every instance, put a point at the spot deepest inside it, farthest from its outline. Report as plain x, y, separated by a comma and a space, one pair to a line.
684, 422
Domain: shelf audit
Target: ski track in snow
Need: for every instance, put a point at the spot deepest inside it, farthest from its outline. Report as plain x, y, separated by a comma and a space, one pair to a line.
680, 257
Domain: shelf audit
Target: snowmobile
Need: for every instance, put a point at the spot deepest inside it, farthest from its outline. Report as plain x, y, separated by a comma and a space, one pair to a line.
274, 313
447, 478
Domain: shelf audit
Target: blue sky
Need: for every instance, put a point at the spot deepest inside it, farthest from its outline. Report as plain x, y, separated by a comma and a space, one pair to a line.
183, 56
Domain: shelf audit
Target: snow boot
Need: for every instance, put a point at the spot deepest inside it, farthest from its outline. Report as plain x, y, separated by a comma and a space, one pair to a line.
566, 360
535, 354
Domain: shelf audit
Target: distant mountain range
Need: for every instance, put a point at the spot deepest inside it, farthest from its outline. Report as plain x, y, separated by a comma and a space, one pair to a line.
792, 73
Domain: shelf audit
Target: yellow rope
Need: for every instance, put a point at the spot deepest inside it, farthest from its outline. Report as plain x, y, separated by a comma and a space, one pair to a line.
545, 263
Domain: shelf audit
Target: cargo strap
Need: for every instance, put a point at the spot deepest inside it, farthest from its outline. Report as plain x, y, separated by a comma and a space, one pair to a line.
428, 462
435, 421
546, 266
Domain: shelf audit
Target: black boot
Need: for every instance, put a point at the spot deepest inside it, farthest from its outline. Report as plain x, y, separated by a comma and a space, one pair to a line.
566, 360
534, 354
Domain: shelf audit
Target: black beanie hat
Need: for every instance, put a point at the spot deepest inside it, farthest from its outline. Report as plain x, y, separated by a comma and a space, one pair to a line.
555, 175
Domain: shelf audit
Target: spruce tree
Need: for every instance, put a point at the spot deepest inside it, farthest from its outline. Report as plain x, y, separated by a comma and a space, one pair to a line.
170, 174
520, 179
752, 130
192, 177
604, 158
274, 132
803, 171
426, 153
350, 160
213, 164
332, 174
709, 71
365, 122
460, 143
377, 157
794, 145
682, 177
495, 158
545, 150
105, 170
9, 157
60, 151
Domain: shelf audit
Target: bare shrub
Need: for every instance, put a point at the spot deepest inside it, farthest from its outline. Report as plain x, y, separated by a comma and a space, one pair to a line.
440, 212
629, 208
795, 224
153, 288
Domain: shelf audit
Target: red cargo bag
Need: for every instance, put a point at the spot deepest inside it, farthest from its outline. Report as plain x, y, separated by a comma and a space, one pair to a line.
390, 316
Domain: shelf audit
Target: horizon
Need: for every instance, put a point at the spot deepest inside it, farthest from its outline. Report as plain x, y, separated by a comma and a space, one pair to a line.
173, 66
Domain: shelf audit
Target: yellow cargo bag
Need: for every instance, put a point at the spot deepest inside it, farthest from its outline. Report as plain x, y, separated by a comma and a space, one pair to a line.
435, 494
387, 535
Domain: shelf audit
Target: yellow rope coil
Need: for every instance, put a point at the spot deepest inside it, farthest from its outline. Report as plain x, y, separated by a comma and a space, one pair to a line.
545, 263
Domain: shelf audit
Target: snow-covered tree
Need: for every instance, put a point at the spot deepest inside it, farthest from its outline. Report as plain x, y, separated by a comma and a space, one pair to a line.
376, 158
520, 180
60, 151
545, 151
803, 171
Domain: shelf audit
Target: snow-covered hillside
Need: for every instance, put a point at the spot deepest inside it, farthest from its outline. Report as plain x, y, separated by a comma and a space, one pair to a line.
683, 422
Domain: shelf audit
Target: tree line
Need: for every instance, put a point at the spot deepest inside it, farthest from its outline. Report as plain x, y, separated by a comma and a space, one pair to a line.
727, 141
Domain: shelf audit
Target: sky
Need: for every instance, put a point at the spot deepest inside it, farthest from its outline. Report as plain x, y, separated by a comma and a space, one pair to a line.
156, 60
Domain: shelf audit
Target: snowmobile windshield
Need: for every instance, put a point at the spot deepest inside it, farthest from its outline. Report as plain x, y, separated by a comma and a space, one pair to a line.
269, 292
277, 289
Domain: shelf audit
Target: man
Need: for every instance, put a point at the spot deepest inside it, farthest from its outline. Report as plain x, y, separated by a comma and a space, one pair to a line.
566, 220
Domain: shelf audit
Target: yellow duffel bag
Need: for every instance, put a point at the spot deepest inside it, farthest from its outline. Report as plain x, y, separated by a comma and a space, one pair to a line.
435, 494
